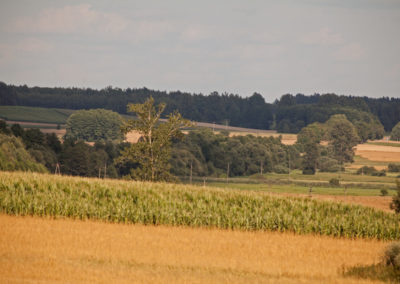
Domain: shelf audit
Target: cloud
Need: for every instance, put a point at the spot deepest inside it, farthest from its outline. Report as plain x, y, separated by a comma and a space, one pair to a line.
196, 33
350, 52
324, 36
27, 46
78, 19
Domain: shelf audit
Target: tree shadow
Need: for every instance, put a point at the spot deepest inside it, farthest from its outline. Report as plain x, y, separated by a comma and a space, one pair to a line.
379, 271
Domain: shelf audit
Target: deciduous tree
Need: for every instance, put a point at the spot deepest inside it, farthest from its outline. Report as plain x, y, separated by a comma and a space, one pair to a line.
342, 136
152, 151
395, 135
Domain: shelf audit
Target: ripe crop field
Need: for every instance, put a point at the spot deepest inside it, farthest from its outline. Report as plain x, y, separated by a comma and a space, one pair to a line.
381, 153
45, 250
179, 205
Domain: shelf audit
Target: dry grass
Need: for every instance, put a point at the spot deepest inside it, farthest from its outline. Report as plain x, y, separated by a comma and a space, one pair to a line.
132, 137
46, 250
378, 153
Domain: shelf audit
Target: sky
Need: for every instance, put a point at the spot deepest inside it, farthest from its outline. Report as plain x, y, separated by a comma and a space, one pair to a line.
270, 47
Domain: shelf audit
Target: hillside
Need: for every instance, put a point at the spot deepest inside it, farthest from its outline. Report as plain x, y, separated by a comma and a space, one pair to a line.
289, 114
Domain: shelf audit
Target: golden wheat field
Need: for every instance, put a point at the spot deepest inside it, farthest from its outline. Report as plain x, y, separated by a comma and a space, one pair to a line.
46, 250
378, 152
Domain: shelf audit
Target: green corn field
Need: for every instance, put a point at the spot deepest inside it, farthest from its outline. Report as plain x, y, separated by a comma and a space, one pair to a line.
184, 205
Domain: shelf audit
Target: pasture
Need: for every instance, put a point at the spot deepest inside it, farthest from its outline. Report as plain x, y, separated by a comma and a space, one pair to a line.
35, 114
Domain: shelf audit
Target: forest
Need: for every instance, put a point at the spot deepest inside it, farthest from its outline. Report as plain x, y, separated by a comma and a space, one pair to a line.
289, 114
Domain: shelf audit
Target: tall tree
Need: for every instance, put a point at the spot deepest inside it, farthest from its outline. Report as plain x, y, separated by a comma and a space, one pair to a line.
153, 150
308, 140
395, 134
342, 136
94, 125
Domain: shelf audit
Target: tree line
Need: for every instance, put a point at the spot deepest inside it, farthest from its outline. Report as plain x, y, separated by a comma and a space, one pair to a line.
289, 114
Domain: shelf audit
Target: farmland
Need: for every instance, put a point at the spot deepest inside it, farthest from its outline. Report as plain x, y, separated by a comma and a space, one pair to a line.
63, 250
170, 204
35, 114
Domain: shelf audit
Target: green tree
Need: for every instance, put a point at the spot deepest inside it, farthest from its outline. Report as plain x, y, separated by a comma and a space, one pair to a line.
14, 156
396, 199
395, 135
342, 137
153, 150
94, 125
308, 141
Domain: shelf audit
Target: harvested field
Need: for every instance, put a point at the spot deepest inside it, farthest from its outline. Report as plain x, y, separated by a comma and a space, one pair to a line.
378, 153
47, 250
132, 137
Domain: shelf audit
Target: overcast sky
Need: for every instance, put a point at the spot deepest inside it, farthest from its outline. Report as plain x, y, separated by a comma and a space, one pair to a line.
270, 47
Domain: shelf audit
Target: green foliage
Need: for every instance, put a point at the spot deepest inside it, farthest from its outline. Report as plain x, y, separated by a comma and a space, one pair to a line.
178, 205
365, 170
14, 157
327, 164
384, 192
94, 125
209, 154
392, 255
292, 112
334, 182
81, 159
342, 137
393, 168
396, 199
152, 152
395, 134
308, 140
3, 128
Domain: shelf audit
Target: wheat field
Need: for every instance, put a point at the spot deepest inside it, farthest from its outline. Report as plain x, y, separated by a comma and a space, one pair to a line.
378, 153
46, 250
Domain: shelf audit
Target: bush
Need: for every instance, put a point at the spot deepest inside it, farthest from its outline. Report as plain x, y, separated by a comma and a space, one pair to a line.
381, 173
395, 135
326, 164
280, 169
334, 182
258, 177
308, 171
393, 168
392, 255
396, 199
384, 192
366, 170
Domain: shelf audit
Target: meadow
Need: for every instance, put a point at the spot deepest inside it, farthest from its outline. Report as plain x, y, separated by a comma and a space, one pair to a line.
185, 205
35, 114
